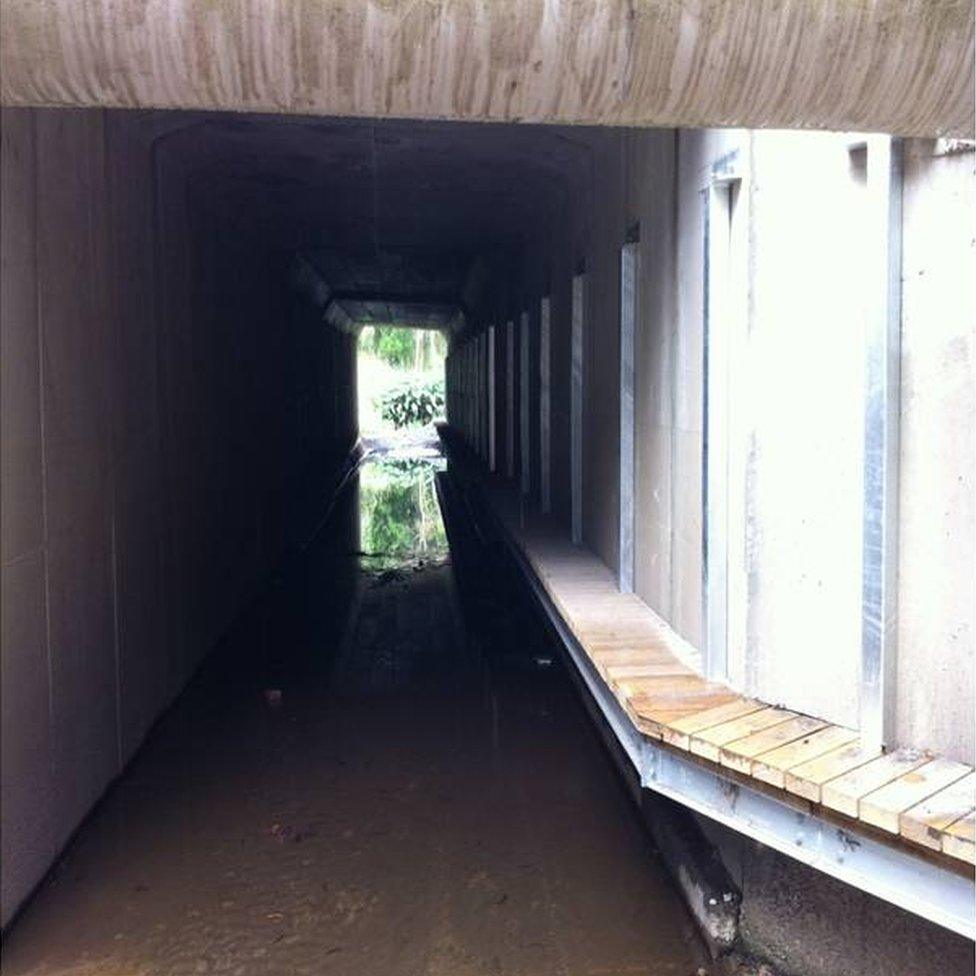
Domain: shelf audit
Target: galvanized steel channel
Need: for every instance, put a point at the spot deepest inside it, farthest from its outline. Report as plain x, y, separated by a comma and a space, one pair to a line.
879, 570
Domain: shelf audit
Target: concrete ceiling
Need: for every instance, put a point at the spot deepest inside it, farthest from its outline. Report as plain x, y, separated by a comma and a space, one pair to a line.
415, 273
347, 190
395, 221
420, 288
404, 313
902, 66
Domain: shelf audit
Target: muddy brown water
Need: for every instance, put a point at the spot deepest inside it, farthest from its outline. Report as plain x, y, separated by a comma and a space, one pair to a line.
367, 777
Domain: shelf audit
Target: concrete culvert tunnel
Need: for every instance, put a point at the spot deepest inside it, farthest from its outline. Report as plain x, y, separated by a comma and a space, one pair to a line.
363, 773
238, 739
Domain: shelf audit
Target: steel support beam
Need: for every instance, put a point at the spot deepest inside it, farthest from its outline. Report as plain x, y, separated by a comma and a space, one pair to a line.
576, 410
629, 277
879, 568
545, 406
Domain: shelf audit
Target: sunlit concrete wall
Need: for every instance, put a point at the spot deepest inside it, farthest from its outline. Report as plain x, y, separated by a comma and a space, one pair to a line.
796, 406
152, 415
796, 426
937, 567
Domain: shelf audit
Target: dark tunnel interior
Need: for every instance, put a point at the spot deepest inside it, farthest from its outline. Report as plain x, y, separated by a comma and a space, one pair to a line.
277, 226
354, 714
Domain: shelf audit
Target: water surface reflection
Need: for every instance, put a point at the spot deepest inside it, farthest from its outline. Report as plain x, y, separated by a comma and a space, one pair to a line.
400, 519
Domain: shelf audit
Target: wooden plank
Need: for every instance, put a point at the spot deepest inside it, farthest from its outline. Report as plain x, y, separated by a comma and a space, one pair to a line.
926, 822
627, 652
679, 732
683, 681
771, 767
669, 684
629, 640
957, 840
807, 779
685, 700
740, 753
844, 793
883, 807
618, 637
655, 715
649, 669
610, 656
708, 742
607, 660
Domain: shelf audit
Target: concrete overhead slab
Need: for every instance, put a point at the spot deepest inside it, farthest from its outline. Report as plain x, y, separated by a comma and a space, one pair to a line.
414, 315
892, 65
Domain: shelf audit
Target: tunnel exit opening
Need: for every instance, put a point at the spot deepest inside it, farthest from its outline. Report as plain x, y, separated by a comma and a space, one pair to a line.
400, 382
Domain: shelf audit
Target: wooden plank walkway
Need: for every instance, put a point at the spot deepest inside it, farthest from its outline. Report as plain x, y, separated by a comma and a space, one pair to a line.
924, 801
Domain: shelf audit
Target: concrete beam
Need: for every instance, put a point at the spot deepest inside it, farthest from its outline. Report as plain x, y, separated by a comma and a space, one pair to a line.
809, 64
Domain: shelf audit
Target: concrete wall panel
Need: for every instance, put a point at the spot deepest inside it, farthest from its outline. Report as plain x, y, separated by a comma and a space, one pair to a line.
796, 407
29, 838
601, 349
138, 519
20, 406
83, 672
74, 324
798, 388
147, 460
651, 191
27, 835
937, 631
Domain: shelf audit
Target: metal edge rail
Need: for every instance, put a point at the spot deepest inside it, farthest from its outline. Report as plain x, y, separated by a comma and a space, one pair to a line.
912, 883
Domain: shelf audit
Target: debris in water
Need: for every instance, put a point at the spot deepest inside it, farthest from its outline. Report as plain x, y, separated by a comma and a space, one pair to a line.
388, 576
283, 833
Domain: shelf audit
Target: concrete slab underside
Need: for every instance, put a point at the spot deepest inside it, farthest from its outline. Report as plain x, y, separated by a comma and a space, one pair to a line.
812, 64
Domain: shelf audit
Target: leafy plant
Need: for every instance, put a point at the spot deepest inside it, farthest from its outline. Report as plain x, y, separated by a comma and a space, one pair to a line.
413, 402
404, 348
395, 346
399, 510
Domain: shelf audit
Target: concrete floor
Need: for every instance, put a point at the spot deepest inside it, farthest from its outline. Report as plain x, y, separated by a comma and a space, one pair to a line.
427, 796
